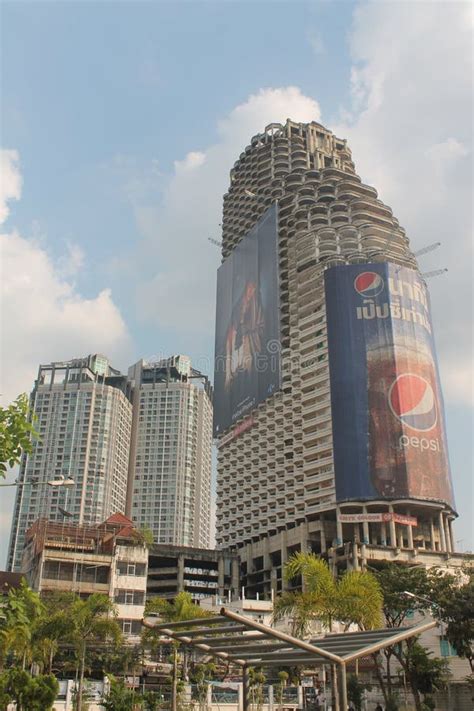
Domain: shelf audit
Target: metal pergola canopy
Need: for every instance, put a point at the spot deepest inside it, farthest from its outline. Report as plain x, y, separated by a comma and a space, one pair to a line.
240, 640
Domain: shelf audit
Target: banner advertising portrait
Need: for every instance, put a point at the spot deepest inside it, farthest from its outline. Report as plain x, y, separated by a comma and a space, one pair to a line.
247, 352
389, 431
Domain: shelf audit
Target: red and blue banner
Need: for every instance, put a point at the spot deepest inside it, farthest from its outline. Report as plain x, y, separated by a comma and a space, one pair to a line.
389, 433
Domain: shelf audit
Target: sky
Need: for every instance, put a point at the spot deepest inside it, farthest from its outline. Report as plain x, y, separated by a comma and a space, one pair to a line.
120, 122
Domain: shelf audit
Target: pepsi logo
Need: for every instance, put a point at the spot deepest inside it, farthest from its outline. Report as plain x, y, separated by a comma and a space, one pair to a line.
412, 400
368, 284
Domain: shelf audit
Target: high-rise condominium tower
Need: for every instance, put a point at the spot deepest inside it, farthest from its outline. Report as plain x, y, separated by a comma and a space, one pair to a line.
347, 455
83, 414
170, 457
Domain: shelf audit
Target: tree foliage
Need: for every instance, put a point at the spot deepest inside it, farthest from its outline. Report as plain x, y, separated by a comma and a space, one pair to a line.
119, 697
27, 692
355, 598
456, 611
16, 433
20, 613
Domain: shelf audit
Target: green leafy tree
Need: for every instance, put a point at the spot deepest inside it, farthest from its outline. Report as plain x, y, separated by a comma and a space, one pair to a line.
143, 536
200, 675
27, 692
90, 621
120, 698
427, 674
256, 681
16, 433
282, 682
50, 628
455, 609
20, 613
426, 587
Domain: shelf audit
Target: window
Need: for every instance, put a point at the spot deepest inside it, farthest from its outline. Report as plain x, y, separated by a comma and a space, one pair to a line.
130, 626
129, 597
124, 568
446, 648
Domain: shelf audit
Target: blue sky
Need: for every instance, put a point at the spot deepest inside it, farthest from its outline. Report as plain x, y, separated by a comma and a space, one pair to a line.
122, 121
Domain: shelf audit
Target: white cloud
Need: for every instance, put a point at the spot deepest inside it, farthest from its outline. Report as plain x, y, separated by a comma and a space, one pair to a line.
410, 131
193, 160
180, 293
44, 318
10, 181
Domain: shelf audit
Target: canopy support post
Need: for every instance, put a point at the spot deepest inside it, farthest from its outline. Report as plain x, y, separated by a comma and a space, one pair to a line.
343, 694
245, 689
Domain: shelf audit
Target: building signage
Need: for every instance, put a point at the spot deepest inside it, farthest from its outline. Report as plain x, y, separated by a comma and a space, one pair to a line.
247, 354
236, 432
378, 518
387, 410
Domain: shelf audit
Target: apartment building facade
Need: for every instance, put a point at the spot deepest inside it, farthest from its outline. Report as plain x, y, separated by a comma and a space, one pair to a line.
170, 452
82, 412
84, 559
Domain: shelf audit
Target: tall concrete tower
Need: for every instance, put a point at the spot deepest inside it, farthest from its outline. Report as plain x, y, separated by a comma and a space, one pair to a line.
170, 454
83, 414
286, 481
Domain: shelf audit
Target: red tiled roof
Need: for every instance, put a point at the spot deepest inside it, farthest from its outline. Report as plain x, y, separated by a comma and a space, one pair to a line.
118, 519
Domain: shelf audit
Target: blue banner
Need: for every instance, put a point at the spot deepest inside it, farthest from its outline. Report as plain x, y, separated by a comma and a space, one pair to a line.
389, 432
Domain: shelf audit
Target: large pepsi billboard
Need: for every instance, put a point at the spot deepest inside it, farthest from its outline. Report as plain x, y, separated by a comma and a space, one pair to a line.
389, 432
247, 355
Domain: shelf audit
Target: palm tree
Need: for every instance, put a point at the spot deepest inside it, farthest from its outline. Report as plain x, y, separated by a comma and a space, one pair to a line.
355, 598
180, 610
90, 621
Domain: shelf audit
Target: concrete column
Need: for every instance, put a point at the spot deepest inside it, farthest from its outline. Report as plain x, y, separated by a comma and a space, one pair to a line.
365, 527
355, 556
447, 534
300, 697
235, 568
442, 537
284, 558
451, 535
323, 536
271, 696
304, 535
432, 535
220, 576
180, 576
356, 533
400, 536
338, 527
392, 529
267, 563
410, 534
383, 533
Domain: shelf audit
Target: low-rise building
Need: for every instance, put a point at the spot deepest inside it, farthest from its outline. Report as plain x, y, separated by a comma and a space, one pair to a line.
108, 559
200, 571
